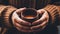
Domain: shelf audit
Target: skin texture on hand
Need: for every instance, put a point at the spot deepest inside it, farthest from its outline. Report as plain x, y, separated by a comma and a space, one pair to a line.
42, 22
25, 26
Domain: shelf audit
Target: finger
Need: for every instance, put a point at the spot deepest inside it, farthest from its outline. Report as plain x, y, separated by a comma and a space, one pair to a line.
40, 11
42, 19
24, 23
19, 20
39, 22
23, 30
40, 26
21, 27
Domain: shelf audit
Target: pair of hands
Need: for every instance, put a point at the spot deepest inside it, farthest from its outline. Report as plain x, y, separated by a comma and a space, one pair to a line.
24, 26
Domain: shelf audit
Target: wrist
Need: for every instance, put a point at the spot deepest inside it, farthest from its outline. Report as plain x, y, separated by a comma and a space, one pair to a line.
53, 13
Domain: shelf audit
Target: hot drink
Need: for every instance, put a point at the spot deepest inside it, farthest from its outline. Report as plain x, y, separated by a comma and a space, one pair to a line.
29, 15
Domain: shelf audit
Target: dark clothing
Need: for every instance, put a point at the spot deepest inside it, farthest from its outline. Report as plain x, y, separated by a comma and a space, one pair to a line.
47, 30
37, 4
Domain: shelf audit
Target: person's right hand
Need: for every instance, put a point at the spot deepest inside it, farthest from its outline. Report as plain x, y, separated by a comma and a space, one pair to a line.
42, 22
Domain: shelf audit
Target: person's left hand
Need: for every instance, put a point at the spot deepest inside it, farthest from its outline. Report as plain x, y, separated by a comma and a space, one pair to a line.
18, 23
41, 23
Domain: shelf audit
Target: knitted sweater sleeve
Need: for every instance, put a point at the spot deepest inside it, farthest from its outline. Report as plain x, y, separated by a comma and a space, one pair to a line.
54, 12
5, 15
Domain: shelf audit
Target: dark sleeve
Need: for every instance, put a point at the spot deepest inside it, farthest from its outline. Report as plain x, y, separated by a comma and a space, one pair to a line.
55, 2
1, 1
54, 12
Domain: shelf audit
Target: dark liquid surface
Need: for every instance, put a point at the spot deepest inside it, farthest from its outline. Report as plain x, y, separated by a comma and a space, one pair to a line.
29, 15
30, 18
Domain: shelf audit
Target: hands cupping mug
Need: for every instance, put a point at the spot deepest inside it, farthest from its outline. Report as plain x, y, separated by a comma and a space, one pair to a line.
25, 26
